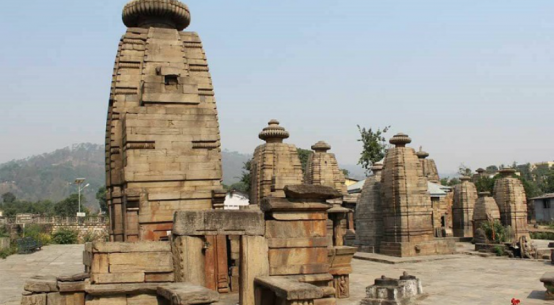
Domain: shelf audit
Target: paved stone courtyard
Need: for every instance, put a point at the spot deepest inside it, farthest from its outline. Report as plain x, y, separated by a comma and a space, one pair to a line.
460, 280
51, 260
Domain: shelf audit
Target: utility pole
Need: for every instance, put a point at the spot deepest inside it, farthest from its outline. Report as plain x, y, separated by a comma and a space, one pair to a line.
79, 182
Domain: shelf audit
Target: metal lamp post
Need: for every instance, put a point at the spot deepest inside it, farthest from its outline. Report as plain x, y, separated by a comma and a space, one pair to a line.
79, 182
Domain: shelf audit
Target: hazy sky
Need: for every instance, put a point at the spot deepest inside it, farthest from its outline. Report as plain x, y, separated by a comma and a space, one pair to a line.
472, 81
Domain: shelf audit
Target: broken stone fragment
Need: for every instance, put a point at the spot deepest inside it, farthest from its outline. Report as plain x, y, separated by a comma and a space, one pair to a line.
42, 284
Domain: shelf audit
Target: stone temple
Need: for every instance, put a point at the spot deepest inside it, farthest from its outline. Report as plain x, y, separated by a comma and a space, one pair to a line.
407, 209
465, 196
274, 165
512, 203
429, 166
369, 217
162, 134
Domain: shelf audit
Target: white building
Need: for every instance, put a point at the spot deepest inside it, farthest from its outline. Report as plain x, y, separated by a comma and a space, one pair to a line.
235, 199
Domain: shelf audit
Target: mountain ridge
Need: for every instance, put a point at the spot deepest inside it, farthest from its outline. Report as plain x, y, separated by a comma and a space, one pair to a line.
49, 176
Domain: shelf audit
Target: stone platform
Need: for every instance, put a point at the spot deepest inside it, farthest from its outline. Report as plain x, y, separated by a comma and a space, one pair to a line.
393, 260
458, 280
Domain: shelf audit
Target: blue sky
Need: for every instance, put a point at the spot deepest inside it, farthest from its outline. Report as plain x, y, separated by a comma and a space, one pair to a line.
471, 81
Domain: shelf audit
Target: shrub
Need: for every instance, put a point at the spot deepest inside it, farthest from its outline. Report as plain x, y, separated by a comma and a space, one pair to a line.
7, 252
498, 250
66, 237
92, 236
4, 232
495, 231
38, 233
542, 235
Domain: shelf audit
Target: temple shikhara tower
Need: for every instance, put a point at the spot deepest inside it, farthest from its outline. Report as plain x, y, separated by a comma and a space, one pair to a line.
369, 217
512, 203
323, 168
274, 165
429, 166
407, 208
465, 196
162, 134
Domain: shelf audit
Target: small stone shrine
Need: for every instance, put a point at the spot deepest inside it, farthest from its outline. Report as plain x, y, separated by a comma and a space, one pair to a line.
480, 172
274, 164
389, 291
429, 166
369, 217
512, 203
465, 196
485, 210
407, 209
323, 168
162, 134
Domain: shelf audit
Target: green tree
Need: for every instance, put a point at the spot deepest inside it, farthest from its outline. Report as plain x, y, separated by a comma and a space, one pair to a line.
484, 184
491, 169
246, 176
102, 199
346, 172
69, 206
303, 154
8, 197
453, 181
464, 170
548, 185
374, 146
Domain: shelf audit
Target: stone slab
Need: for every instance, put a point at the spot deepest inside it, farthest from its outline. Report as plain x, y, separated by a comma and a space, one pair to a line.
120, 247
393, 260
310, 191
111, 289
185, 294
219, 222
42, 284
289, 289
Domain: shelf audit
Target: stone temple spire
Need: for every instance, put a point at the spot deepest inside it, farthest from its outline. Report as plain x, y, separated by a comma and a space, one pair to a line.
322, 168
407, 211
274, 165
169, 14
430, 170
465, 196
509, 194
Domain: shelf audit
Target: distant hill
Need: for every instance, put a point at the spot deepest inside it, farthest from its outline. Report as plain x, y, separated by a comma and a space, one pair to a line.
49, 176
232, 163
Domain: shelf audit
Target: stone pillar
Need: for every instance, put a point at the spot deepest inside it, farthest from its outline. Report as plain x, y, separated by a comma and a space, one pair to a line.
485, 210
429, 166
465, 195
369, 217
254, 258
274, 164
189, 259
512, 203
